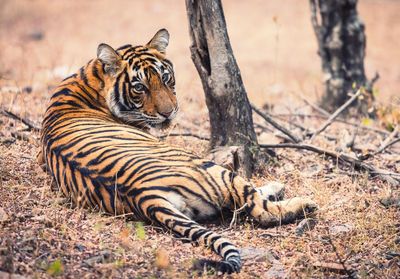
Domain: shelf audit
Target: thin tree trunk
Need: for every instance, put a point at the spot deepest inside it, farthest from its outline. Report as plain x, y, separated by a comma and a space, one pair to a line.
341, 46
229, 108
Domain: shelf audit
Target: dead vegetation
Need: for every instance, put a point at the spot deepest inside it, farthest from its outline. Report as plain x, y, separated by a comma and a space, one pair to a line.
355, 234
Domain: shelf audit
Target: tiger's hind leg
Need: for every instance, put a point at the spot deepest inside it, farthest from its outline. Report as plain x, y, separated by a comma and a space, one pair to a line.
162, 211
270, 213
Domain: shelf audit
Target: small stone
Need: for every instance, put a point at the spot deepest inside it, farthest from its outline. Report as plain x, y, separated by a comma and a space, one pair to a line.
306, 225
312, 171
391, 255
257, 255
103, 257
80, 247
390, 201
59, 201
35, 35
276, 271
339, 229
27, 89
7, 141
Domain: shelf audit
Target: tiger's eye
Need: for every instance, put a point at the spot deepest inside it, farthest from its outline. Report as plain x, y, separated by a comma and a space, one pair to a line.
165, 77
138, 87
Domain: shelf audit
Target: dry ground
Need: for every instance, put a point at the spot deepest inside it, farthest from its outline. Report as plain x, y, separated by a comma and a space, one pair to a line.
41, 235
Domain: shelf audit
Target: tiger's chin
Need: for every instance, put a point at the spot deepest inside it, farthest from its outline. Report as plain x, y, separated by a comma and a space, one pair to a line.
163, 125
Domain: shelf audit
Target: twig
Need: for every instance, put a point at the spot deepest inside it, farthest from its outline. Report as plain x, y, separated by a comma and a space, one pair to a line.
389, 144
383, 132
370, 84
306, 132
391, 177
342, 262
393, 142
235, 212
350, 144
281, 136
388, 141
315, 107
184, 135
329, 266
301, 127
27, 122
269, 119
262, 127
336, 114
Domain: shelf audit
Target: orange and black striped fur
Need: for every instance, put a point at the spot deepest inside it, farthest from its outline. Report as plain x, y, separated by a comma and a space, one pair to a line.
95, 143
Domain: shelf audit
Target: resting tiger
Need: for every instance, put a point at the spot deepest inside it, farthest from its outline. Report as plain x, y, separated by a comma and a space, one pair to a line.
95, 143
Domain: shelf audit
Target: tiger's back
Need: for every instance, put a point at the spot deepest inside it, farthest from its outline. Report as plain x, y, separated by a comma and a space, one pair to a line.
96, 145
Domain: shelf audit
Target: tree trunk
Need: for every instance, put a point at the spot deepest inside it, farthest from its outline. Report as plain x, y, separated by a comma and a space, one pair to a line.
229, 109
341, 46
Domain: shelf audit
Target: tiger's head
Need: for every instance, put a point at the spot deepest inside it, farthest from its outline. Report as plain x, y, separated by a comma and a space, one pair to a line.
141, 82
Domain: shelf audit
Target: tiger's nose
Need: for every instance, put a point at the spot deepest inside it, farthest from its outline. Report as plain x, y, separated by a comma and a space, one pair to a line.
166, 114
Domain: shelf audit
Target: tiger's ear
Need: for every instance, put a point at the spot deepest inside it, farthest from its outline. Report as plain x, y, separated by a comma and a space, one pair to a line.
160, 40
109, 57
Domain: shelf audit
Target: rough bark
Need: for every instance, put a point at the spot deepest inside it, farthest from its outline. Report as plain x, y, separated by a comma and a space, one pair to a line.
341, 46
229, 108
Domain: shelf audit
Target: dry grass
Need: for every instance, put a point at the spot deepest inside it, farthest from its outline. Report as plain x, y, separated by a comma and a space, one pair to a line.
41, 226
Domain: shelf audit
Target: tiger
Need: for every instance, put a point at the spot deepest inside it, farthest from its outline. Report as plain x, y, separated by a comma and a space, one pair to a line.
97, 145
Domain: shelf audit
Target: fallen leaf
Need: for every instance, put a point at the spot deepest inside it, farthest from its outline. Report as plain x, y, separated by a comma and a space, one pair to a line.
3, 215
257, 254
140, 232
366, 121
55, 268
162, 258
124, 237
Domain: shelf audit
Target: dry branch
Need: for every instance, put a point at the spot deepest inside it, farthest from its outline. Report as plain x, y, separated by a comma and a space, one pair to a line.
25, 121
329, 266
342, 261
389, 141
269, 119
306, 131
336, 114
313, 106
393, 178
392, 142
380, 131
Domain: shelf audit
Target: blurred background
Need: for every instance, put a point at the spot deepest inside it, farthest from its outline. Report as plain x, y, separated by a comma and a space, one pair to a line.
42, 42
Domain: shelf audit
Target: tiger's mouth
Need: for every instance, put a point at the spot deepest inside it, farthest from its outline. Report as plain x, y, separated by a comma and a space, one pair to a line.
142, 120
162, 125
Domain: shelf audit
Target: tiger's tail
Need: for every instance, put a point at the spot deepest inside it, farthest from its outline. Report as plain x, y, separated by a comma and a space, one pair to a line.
163, 212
